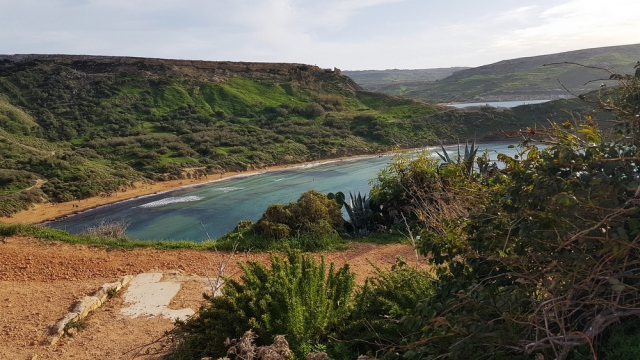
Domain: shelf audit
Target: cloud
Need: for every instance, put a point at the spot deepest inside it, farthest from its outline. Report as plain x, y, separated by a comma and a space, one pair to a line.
350, 34
574, 25
334, 14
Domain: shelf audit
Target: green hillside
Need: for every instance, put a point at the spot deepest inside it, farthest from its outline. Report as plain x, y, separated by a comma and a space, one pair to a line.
529, 78
79, 126
72, 127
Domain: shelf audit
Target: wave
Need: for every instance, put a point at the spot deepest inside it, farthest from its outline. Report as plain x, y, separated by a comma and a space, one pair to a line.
315, 164
171, 200
227, 189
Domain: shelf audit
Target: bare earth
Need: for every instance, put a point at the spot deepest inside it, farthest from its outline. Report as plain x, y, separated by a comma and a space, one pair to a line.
41, 280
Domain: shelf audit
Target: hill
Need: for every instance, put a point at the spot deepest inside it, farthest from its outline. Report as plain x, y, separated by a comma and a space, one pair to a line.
72, 127
528, 78
395, 81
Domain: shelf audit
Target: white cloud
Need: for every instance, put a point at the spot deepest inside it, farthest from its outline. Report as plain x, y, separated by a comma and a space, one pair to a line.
334, 14
350, 34
573, 25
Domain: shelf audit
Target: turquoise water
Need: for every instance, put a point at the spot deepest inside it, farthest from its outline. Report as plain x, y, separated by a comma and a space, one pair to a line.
211, 210
507, 104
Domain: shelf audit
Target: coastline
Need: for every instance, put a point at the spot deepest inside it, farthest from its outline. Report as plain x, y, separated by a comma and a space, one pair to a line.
44, 212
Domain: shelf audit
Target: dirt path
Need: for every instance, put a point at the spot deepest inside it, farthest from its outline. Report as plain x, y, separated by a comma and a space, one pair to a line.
38, 184
41, 280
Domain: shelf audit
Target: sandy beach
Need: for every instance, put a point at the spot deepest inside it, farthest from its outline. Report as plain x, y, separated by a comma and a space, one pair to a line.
40, 213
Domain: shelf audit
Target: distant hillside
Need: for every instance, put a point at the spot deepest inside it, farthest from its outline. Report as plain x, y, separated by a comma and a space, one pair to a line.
394, 80
526, 78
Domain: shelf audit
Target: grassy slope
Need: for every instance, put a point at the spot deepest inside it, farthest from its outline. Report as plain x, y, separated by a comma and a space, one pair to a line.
84, 127
523, 78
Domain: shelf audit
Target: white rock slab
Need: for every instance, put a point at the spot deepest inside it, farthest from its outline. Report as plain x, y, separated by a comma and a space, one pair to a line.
147, 296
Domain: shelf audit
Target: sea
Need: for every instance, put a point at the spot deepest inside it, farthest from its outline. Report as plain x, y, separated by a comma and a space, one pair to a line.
210, 210
505, 104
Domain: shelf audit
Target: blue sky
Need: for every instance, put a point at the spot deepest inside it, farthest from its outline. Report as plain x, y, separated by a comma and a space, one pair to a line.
348, 34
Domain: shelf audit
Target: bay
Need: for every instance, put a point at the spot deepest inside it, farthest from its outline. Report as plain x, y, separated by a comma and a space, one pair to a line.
505, 104
210, 210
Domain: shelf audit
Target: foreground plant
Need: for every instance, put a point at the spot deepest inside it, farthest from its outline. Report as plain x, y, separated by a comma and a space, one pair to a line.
297, 297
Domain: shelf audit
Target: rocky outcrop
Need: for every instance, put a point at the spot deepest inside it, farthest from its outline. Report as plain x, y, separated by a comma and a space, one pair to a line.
87, 304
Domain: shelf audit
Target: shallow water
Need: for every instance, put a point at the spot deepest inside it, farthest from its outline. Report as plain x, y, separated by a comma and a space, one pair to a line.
211, 210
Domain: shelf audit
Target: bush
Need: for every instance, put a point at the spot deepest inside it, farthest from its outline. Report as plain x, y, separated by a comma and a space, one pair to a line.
109, 229
311, 111
312, 213
624, 341
297, 297
330, 102
376, 323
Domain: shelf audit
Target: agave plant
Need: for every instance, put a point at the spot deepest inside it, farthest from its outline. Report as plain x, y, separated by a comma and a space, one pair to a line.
467, 160
358, 209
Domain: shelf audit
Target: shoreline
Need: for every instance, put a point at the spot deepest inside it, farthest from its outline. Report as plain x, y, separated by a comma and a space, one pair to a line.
45, 212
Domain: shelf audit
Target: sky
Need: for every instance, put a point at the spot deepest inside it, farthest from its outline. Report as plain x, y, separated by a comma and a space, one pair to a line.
347, 34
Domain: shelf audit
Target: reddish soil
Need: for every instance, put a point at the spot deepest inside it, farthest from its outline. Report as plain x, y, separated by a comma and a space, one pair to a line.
41, 280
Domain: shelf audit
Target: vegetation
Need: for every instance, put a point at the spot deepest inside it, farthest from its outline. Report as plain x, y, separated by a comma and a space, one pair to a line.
361, 211
381, 307
312, 223
72, 127
536, 258
45, 233
297, 297
109, 229
313, 213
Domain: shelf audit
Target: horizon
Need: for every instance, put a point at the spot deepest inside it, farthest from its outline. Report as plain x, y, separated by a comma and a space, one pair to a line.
347, 34
267, 62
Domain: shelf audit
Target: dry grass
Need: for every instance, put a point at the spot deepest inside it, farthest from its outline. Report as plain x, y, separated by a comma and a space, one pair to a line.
110, 229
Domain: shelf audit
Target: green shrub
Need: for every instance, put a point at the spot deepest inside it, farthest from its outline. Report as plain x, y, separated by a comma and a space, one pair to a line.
311, 111
273, 230
312, 213
297, 297
375, 325
330, 102
624, 341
